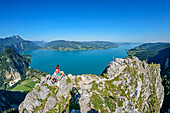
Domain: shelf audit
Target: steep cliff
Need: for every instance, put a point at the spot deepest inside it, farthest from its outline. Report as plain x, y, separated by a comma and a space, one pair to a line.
126, 85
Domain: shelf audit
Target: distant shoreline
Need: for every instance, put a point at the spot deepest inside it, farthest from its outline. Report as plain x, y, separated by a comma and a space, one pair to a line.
69, 50
75, 49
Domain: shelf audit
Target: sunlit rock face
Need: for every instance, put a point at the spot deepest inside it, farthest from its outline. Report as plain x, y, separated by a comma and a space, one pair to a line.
126, 85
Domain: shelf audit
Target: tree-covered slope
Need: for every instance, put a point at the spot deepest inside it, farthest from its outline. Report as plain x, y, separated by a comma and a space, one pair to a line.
152, 52
3, 48
62, 45
15, 76
13, 67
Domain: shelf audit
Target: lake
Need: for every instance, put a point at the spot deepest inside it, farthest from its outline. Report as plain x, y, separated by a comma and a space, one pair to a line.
76, 62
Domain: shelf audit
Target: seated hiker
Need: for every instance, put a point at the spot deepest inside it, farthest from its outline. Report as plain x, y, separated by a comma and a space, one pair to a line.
58, 72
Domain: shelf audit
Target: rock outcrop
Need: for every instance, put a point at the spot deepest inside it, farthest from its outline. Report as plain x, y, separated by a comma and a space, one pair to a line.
126, 85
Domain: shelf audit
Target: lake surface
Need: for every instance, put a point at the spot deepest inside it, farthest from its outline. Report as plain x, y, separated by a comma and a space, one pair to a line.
76, 62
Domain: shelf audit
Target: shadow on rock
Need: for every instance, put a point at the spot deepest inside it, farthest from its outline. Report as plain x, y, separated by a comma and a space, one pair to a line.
92, 111
73, 106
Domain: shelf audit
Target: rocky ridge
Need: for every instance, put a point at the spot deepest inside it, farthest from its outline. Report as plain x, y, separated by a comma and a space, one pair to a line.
126, 85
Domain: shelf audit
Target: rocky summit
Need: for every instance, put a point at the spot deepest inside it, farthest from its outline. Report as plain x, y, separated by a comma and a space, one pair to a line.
126, 86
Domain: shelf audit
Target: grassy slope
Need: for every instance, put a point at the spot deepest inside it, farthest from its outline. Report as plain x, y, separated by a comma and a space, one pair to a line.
26, 85
33, 77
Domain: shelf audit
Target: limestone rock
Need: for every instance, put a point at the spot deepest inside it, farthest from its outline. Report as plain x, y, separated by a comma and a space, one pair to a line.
126, 85
43, 92
50, 103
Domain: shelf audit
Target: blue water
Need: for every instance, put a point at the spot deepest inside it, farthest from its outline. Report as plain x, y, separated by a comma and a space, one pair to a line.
76, 62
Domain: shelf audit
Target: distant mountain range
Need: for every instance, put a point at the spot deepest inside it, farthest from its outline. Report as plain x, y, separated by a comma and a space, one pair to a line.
19, 44
40, 43
127, 43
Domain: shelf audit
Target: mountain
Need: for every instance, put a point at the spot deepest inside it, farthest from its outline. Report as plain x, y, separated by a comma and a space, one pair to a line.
11, 40
17, 43
13, 67
15, 76
40, 43
62, 45
24, 46
126, 85
152, 52
127, 43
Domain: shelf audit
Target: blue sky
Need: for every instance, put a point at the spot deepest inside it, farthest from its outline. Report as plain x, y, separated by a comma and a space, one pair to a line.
83, 20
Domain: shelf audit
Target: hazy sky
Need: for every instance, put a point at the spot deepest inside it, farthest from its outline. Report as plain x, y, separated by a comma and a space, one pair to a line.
82, 20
